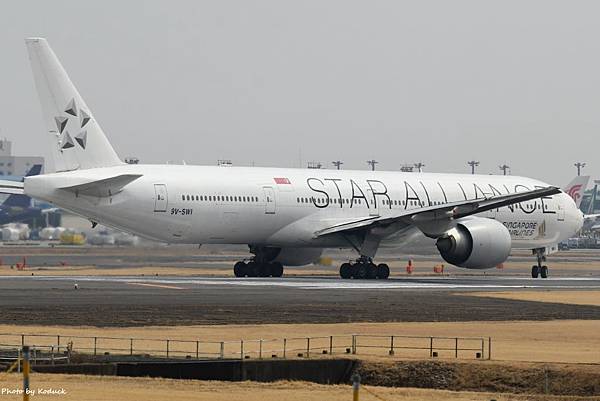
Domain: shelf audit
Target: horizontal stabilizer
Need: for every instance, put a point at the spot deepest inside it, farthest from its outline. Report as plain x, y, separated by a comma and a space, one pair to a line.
104, 187
11, 187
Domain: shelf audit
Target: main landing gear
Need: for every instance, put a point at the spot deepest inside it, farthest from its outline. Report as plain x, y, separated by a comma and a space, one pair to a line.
255, 269
539, 269
261, 265
364, 268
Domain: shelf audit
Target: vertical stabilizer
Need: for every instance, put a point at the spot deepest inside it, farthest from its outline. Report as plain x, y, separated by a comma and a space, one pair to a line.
77, 140
592, 205
576, 188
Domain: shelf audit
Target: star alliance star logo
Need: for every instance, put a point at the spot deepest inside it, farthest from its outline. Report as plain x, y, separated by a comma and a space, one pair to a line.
62, 123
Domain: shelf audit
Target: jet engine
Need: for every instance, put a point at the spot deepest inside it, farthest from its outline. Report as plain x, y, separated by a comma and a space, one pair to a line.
475, 243
298, 256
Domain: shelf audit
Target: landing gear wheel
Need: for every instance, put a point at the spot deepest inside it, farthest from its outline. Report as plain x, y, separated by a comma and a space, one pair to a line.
383, 271
264, 269
360, 271
371, 271
535, 271
346, 271
276, 269
544, 272
239, 269
252, 269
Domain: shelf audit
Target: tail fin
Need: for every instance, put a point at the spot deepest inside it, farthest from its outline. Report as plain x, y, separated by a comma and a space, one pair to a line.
576, 188
36, 169
23, 201
77, 140
592, 205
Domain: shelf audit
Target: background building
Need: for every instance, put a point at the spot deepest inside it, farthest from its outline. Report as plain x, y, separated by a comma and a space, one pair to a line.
15, 165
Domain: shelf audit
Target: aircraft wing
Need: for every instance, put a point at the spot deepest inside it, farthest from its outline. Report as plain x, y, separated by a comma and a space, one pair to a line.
11, 187
435, 220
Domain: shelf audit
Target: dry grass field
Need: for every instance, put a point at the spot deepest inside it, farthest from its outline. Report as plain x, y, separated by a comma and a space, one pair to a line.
563, 297
99, 388
564, 341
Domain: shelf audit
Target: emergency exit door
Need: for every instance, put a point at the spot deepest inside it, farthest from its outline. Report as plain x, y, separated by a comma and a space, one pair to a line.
160, 198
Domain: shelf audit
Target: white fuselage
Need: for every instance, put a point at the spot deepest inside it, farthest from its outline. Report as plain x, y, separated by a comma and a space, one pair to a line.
286, 207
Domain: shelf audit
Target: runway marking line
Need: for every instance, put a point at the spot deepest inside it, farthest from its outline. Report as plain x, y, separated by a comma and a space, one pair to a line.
170, 287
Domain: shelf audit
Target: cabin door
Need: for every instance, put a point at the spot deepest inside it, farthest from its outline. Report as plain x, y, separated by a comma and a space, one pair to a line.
160, 198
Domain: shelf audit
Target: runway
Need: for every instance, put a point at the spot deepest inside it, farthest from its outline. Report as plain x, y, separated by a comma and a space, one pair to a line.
478, 283
189, 300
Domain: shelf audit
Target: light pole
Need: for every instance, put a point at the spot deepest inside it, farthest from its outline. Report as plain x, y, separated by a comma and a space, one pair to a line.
337, 164
372, 163
473, 164
504, 168
579, 166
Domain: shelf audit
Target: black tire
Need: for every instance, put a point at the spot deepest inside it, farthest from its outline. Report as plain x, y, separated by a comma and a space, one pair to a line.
544, 272
252, 269
371, 271
359, 271
346, 271
276, 269
264, 269
383, 271
239, 269
535, 271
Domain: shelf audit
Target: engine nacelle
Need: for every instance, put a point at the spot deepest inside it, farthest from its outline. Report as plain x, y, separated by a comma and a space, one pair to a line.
298, 256
475, 243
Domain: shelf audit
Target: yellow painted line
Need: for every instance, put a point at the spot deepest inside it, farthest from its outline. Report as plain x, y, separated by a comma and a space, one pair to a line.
171, 287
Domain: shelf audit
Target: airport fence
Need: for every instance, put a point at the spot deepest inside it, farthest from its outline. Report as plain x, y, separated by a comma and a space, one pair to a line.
60, 347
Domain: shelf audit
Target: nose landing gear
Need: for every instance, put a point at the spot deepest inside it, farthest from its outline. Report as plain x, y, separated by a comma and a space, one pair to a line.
364, 268
539, 269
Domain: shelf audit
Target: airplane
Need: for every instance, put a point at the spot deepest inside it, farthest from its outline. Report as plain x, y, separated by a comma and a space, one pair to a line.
21, 208
591, 220
288, 216
34, 170
576, 188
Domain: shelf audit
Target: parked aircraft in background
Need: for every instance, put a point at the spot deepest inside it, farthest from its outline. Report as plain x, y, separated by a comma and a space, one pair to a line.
34, 170
576, 188
288, 216
21, 208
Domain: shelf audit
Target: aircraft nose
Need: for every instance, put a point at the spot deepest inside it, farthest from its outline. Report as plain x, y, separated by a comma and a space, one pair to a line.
575, 215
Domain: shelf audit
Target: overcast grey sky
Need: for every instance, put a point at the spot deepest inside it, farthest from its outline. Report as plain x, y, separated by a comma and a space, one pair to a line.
276, 82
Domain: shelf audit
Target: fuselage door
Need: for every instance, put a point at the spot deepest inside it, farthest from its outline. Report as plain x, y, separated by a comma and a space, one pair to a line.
160, 198
372, 203
560, 210
270, 204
